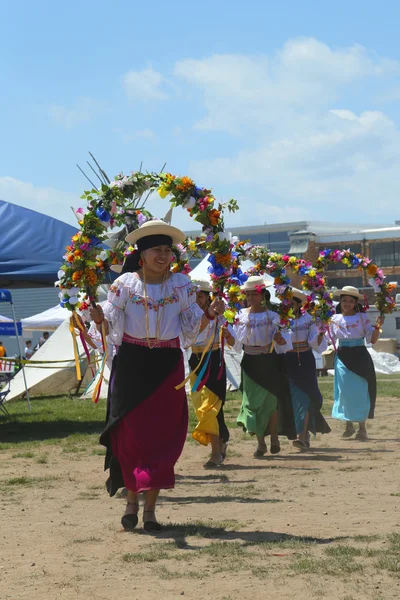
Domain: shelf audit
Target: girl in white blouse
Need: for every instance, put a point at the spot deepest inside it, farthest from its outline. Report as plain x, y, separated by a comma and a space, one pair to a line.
146, 314
355, 379
266, 405
302, 373
208, 382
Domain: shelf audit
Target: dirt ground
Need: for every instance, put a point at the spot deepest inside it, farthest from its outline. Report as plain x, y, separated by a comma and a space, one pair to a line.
321, 524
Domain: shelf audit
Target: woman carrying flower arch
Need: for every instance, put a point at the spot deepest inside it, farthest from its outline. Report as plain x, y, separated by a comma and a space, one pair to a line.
355, 379
208, 399
301, 371
266, 404
147, 312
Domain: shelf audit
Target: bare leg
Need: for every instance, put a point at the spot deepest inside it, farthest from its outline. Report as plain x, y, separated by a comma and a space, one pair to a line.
215, 449
132, 505
150, 506
303, 436
261, 447
130, 518
362, 431
349, 431
273, 429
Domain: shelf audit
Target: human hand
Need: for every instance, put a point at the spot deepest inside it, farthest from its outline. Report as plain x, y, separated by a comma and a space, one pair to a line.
96, 314
216, 307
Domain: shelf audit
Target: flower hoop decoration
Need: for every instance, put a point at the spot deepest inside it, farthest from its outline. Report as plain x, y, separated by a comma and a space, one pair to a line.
319, 298
385, 303
120, 203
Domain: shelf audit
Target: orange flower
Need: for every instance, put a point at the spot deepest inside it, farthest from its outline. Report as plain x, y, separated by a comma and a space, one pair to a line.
78, 253
186, 184
175, 268
372, 269
214, 216
223, 259
77, 275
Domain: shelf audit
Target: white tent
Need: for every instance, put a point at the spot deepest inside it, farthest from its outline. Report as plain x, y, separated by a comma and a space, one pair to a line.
5, 319
59, 379
48, 320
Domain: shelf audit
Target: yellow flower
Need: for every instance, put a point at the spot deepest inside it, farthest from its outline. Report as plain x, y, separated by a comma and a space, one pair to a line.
229, 315
311, 273
175, 268
234, 289
192, 245
163, 191
76, 237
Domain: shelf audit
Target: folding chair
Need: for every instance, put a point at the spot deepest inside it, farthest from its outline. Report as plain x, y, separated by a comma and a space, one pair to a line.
5, 378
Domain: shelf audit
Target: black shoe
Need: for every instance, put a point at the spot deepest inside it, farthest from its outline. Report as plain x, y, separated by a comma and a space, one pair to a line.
275, 448
129, 522
151, 526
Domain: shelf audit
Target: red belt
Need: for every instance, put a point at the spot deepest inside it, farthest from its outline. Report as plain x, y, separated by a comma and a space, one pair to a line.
174, 343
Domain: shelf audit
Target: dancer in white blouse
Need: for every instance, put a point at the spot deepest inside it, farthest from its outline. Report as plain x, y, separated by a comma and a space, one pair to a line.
266, 405
355, 379
147, 312
208, 381
301, 371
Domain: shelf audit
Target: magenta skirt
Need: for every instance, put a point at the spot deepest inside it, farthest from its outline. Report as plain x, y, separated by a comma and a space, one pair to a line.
148, 440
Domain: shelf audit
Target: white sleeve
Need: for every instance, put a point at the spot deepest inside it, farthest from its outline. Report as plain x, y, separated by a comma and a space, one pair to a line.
237, 346
313, 339
190, 315
367, 326
282, 349
114, 311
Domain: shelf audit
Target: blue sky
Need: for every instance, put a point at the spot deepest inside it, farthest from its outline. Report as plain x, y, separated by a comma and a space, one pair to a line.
290, 107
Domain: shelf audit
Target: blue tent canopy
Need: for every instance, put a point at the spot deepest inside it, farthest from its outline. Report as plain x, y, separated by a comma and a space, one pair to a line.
31, 247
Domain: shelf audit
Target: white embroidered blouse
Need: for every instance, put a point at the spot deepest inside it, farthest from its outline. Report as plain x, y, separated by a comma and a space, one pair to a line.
258, 329
351, 327
172, 309
304, 331
204, 336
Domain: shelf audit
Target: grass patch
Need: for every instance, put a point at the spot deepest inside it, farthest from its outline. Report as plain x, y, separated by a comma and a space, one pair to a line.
26, 454
89, 540
52, 421
15, 483
334, 566
42, 460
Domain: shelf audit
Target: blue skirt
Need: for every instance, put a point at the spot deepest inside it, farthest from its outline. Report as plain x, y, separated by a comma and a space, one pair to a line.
306, 396
355, 385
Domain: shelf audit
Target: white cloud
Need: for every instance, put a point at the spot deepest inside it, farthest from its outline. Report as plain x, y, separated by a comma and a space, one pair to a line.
84, 110
46, 200
242, 92
300, 141
144, 85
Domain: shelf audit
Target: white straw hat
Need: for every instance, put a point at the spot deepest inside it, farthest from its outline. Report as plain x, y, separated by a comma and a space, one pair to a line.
116, 268
299, 295
348, 290
156, 227
203, 286
255, 282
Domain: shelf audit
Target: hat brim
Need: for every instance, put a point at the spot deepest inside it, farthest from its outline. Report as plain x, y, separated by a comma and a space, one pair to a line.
174, 233
116, 268
299, 296
340, 293
266, 285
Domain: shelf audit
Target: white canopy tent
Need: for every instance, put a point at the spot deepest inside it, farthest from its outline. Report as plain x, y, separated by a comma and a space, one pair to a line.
5, 319
48, 320
59, 379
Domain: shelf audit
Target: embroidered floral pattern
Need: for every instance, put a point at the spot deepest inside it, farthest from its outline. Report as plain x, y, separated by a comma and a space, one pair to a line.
259, 323
154, 304
115, 289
